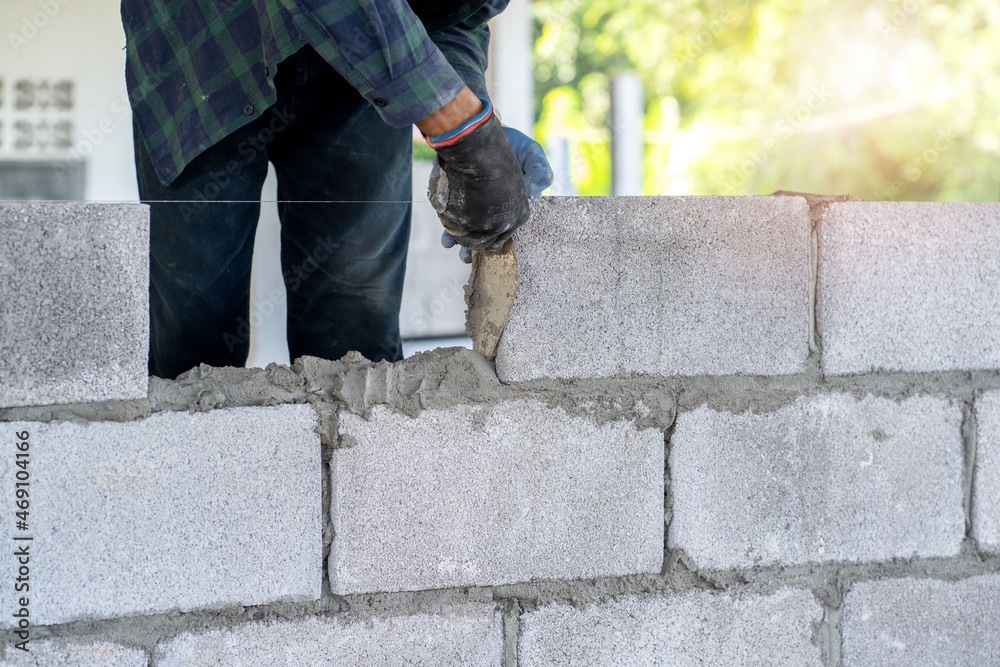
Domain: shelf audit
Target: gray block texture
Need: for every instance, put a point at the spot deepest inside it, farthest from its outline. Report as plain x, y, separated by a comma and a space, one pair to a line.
462, 636
697, 628
482, 495
75, 653
922, 622
175, 512
907, 286
826, 478
74, 283
986, 474
659, 286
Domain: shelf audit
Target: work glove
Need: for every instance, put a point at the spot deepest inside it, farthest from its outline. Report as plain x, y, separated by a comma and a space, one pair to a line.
478, 183
538, 176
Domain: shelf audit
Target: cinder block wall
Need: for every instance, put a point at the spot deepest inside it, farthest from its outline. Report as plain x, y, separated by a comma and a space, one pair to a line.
756, 430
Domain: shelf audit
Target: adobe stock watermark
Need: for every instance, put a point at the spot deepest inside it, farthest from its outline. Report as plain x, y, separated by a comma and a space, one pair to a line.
711, 29
918, 165
33, 23
452, 291
567, 162
784, 129
261, 311
94, 136
249, 150
22, 563
294, 276
358, 43
899, 15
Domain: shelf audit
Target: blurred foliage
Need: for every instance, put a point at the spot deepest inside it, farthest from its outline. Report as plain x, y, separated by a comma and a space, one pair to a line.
884, 99
422, 152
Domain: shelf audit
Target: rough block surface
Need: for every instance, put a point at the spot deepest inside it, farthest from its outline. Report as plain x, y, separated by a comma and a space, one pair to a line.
74, 283
986, 476
463, 636
659, 286
697, 628
922, 622
495, 494
176, 512
909, 286
72, 652
827, 478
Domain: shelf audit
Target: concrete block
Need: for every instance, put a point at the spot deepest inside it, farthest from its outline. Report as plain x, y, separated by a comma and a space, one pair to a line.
464, 636
659, 286
986, 474
907, 286
922, 622
697, 628
74, 281
175, 512
826, 478
83, 651
482, 495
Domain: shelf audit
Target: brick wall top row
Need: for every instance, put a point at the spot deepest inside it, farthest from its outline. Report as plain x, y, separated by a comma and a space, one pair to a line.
608, 286
686, 286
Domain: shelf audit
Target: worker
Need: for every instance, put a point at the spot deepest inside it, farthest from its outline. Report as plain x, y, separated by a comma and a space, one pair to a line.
327, 91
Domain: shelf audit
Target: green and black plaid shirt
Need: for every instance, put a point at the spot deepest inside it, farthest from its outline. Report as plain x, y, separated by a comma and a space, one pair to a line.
197, 70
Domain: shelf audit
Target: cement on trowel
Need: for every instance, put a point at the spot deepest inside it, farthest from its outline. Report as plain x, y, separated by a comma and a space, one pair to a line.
490, 296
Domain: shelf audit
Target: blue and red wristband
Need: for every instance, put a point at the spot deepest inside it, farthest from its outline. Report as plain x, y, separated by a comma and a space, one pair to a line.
449, 138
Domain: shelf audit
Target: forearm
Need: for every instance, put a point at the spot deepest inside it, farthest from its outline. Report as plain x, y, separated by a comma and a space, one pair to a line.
461, 108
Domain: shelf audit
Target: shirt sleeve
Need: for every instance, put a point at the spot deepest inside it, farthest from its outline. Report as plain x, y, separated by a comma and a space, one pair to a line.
466, 46
383, 50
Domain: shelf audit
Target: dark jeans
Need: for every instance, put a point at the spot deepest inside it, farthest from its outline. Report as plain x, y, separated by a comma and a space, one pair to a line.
343, 264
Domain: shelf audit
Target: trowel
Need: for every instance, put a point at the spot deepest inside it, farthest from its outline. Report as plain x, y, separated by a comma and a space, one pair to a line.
490, 296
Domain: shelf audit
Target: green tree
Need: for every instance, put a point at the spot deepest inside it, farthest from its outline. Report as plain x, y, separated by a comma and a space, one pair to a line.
891, 99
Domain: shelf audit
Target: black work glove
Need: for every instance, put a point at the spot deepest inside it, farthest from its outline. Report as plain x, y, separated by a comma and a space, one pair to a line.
477, 187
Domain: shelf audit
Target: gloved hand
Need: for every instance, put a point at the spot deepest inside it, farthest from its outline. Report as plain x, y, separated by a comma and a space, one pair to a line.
464, 254
537, 176
534, 165
477, 187
537, 173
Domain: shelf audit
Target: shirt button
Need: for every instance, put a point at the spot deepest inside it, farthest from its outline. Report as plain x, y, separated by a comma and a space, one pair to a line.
302, 37
379, 102
248, 109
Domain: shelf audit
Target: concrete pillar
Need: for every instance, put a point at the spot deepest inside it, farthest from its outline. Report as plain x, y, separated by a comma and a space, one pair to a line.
558, 151
626, 134
511, 75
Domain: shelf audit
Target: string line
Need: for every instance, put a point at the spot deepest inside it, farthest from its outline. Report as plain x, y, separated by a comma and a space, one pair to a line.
211, 201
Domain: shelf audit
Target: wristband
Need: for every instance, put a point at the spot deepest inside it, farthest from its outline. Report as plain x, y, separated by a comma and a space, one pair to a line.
449, 138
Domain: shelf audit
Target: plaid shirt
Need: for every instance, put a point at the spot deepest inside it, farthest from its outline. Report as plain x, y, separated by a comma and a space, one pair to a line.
197, 70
